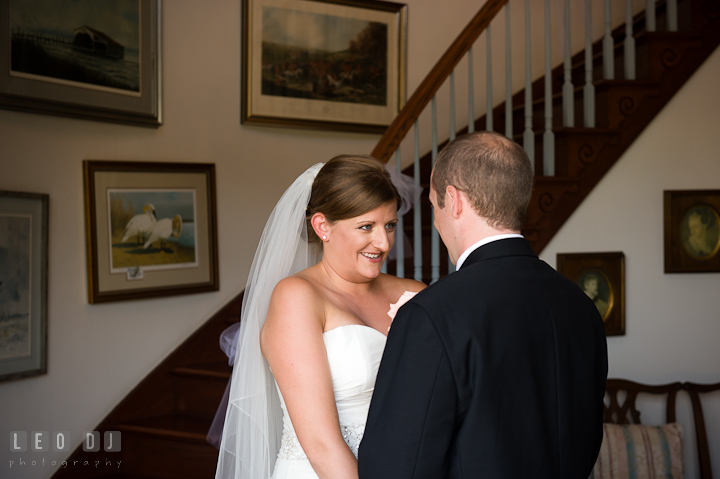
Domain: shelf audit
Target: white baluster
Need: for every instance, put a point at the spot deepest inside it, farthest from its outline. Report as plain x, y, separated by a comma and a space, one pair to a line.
452, 118
452, 105
548, 138
528, 135
508, 76
417, 218
400, 229
650, 15
568, 94
488, 88
434, 236
672, 15
589, 88
629, 44
471, 93
608, 46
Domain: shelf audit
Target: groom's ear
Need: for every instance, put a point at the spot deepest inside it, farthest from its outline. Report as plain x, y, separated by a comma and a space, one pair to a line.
321, 225
454, 201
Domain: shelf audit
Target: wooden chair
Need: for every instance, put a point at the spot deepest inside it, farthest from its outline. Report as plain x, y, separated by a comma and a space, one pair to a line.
626, 412
694, 391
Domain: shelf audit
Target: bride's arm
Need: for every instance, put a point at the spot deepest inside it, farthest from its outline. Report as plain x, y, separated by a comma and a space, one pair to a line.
292, 342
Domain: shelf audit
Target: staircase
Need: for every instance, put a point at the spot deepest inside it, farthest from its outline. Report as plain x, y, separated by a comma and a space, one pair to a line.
164, 420
583, 155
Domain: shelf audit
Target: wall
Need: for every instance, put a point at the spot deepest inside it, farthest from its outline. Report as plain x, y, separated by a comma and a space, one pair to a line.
97, 353
672, 323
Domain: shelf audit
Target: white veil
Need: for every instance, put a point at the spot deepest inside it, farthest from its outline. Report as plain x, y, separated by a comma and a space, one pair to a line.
253, 421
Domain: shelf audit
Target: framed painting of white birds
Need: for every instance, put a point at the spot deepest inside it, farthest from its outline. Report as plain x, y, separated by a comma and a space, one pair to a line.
23, 284
151, 229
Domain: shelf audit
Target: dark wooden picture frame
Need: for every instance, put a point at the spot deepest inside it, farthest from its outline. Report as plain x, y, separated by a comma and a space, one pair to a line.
292, 79
23, 284
150, 229
52, 65
692, 231
602, 277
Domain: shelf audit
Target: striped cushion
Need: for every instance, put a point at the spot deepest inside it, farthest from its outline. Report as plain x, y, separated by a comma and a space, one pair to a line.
640, 452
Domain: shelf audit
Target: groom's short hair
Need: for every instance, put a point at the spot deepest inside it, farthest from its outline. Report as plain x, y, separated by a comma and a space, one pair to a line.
493, 171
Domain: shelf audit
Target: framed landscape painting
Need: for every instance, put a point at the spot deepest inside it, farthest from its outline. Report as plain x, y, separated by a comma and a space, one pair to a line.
151, 229
601, 276
23, 284
692, 231
82, 58
328, 64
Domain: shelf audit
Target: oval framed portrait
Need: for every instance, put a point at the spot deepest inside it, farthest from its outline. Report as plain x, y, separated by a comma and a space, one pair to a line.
691, 231
601, 276
598, 287
700, 231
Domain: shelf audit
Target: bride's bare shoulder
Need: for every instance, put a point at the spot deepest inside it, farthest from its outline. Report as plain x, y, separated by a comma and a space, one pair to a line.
297, 290
295, 310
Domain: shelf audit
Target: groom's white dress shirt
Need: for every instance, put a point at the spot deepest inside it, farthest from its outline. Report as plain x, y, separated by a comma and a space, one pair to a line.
483, 242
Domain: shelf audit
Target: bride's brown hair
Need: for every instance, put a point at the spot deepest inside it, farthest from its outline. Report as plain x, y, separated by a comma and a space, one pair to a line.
348, 186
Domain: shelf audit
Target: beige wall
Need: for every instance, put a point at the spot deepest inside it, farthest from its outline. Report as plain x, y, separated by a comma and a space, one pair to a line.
97, 353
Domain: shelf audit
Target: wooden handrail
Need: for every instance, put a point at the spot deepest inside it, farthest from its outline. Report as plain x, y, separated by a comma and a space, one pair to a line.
432, 82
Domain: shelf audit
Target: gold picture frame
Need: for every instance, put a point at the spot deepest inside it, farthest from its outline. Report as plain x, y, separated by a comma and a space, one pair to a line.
602, 277
692, 231
150, 229
323, 64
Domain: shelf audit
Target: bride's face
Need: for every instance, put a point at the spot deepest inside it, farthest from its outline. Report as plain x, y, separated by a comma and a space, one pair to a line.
357, 247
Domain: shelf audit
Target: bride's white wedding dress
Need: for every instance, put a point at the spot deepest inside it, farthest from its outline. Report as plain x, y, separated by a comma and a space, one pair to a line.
354, 352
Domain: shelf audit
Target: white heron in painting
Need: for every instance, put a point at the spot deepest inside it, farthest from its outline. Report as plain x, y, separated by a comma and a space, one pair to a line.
140, 224
163, 229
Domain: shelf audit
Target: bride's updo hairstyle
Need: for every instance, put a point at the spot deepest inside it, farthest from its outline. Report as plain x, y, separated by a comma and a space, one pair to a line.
348, 186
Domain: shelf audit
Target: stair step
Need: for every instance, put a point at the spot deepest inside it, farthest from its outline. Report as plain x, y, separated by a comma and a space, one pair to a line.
198, 389
127, 476
167, 447
178, 427
207, 371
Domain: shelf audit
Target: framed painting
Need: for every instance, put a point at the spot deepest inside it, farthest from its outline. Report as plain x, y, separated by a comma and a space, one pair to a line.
82, 58
601, 276
326, 64
692, 231
23, 284
150, 229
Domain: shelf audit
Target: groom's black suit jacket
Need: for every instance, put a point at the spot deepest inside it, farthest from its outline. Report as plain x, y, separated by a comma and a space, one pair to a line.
496, 371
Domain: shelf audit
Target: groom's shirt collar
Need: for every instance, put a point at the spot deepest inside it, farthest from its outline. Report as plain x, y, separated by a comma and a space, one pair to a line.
480, 243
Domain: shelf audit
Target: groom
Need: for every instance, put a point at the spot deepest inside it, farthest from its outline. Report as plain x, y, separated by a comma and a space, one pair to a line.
498, 370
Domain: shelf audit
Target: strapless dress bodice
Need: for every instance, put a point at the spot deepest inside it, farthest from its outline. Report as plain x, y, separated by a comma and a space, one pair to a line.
354, 352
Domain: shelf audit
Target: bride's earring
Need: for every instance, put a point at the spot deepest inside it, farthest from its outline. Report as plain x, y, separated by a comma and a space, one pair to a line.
324, 238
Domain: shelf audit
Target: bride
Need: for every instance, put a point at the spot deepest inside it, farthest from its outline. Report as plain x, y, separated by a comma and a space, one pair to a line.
313, 326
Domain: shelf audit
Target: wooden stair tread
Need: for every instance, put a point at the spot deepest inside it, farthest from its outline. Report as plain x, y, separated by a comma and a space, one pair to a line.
169, 426
216, 370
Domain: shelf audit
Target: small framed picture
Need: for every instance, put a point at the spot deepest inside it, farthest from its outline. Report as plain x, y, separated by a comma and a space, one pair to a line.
324, 64
83, 59
602, 277
150, 229
692, 231
23, 284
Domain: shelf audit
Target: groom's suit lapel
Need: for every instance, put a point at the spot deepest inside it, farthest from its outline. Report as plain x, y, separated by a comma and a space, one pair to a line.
498, 249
